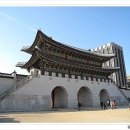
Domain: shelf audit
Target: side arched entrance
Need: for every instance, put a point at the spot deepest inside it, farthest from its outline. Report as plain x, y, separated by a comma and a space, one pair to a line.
104, 95
59, 97
85, 97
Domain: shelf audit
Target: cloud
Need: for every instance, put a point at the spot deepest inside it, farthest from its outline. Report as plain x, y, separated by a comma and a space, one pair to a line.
16, 21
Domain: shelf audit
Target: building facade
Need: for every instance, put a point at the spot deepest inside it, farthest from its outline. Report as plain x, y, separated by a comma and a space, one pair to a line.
119, 77
61, 76
128, 81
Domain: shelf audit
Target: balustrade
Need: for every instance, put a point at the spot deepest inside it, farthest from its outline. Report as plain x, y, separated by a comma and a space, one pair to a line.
15, 87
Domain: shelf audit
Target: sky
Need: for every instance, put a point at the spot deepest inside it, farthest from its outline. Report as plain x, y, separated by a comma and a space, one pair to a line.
82, 27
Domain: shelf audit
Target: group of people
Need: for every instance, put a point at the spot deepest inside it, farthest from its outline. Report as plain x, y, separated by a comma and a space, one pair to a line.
129, 105
108, 104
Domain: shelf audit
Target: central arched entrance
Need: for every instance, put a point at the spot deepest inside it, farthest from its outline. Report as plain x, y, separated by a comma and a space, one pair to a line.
59, 97
104, 95
85, 97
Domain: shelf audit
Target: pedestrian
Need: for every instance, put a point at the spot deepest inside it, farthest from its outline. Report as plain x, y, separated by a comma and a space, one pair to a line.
129, 105
101, 103
111, 104
79, 105
108, 103
114, 104
105, 105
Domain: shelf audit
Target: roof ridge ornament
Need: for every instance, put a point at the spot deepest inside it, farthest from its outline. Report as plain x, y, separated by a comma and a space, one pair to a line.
39, 29
36, 47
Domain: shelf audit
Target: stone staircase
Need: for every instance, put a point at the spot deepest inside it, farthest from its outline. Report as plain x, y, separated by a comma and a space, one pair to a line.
122, 93
14, 87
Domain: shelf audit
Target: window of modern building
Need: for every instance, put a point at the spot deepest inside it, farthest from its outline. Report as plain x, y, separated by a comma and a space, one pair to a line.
76, 77
50, 73
63, 75
56, 74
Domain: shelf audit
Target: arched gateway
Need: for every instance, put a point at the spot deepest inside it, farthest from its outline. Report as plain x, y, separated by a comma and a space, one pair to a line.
56, 62
85, 97
59, 97
104, 95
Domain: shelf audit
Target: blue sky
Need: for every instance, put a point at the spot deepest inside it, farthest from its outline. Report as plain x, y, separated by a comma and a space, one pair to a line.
82, 27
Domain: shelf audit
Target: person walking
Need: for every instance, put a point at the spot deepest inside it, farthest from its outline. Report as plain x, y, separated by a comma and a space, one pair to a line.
101, 103
114, 104
111, 104
79, 106
105, 105
129, 105
108, 103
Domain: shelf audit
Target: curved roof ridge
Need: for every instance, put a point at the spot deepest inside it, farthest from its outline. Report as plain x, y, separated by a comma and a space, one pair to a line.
41, 36
83, 50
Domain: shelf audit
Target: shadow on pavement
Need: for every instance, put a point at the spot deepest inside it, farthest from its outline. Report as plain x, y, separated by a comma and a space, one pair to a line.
55, 110
7, 120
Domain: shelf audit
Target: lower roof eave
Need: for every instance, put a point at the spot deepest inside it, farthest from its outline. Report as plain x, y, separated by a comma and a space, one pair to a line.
20, 65
111, 70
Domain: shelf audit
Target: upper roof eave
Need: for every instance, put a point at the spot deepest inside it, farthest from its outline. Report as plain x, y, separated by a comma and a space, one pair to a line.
75, 48
40, 35
25, 49
30, 49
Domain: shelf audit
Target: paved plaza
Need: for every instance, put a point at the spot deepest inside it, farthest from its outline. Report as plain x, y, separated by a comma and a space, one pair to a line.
68, 116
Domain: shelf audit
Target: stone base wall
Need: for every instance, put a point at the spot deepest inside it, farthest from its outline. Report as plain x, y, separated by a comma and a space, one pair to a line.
25, 103
37, 94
